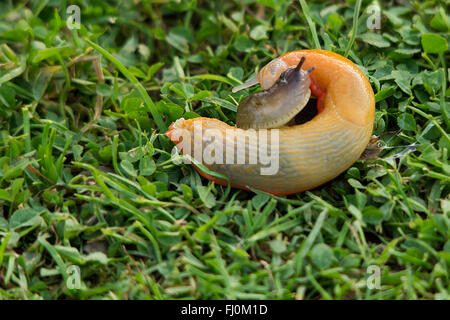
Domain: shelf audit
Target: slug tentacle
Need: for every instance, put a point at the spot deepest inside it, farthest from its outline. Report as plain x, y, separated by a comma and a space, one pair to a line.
310, 70
300, 63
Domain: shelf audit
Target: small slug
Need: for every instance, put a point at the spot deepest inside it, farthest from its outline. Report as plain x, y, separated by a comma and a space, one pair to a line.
277, 105
308, 154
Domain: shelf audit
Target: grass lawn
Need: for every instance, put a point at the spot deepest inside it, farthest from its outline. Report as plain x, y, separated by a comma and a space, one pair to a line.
92, 206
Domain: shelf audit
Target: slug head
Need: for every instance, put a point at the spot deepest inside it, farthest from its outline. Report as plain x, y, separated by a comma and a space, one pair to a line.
276, 106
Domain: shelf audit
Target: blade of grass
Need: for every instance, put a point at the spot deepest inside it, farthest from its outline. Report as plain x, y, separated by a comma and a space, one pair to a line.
3, 247
56, 257
354, 28
152, 239
144, 95
316, 284
432, 119
307, 244
443, 90
311, 24
26, 128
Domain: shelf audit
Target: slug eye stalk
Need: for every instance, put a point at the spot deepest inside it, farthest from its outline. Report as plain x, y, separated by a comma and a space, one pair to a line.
300, 63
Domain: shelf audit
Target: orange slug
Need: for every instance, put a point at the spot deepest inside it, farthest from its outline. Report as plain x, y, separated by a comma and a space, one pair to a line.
264, 153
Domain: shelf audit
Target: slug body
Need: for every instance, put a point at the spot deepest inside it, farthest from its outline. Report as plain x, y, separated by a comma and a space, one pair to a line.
309, 154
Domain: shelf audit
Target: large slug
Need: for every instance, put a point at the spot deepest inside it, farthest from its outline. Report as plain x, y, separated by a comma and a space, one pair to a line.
308, 154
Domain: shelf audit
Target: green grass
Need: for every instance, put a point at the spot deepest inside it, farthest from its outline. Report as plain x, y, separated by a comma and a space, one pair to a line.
86, 177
